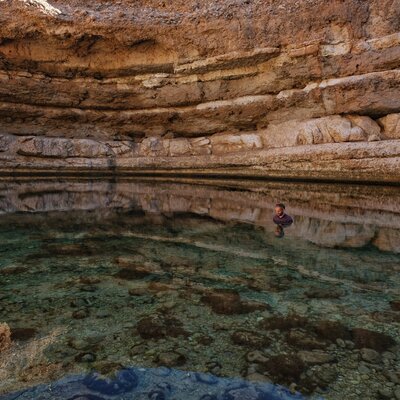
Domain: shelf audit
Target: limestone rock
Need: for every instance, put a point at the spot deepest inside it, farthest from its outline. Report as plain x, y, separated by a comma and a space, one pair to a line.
330, 130
5, 142
222, 144
89, 149
370, 127
154, 146
180, 147
173, 88
391, 126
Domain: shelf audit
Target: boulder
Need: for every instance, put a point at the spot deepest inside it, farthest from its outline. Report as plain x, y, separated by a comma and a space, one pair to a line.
390, 126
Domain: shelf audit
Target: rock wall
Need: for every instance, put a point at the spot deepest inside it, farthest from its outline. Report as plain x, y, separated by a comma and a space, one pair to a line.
243, 87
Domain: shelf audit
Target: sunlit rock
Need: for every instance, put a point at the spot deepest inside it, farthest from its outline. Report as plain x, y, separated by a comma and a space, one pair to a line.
229, 89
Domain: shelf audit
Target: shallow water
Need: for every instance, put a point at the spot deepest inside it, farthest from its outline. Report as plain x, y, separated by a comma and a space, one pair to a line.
132, 276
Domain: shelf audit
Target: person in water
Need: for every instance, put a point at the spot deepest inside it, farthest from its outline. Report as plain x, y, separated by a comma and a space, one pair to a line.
281, 219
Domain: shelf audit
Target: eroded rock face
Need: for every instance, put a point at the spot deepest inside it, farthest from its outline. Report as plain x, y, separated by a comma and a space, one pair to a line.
248, 88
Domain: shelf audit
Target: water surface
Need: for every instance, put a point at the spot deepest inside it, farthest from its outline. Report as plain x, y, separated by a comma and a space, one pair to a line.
132, 280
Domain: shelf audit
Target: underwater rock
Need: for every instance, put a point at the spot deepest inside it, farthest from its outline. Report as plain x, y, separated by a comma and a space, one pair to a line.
89, 280
131, 269
324, 293
302, 340
158, 327
285, 367
204, 340
256, 377
315, 357
385, 393
23, 334
67, 249
13, 270
318, 377
385, 316
331, 330
158, 287
370, 356
243, 392
170, 359
138, 291
132, 274
124, 381
107, 367
80, 314
325, 375
88, 288
249, 339
372, 340
256, 357
228, 302
284, 323
5, 337
395, 305
85, 357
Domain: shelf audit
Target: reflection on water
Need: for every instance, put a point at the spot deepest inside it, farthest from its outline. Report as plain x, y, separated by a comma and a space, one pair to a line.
104, 276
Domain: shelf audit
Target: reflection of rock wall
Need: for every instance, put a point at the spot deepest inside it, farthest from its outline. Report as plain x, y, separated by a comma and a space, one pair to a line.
189, 87
327, 216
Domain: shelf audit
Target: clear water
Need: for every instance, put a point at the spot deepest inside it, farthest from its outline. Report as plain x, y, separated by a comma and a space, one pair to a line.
166, 290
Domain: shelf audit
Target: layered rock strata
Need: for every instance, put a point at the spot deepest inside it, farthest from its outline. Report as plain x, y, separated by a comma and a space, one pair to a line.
255, 88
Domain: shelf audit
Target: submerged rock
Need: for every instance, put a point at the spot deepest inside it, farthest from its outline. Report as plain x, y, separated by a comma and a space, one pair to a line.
315, 357
158, 327
324, 293
250, 339
304, 340
284, 323
138, 291
228, 302
170, 359
331, 330
395, 305
23, 334
370, 356
377, 341
80, 314
67, 249
131, 274
285, 367
5, 337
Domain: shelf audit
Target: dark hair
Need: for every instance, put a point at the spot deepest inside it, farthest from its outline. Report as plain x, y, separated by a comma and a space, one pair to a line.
281, 205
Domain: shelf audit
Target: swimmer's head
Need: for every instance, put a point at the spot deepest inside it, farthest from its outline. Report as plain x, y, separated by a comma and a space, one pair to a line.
279, 209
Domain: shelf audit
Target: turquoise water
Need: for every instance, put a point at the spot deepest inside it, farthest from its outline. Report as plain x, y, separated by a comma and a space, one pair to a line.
104, 276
